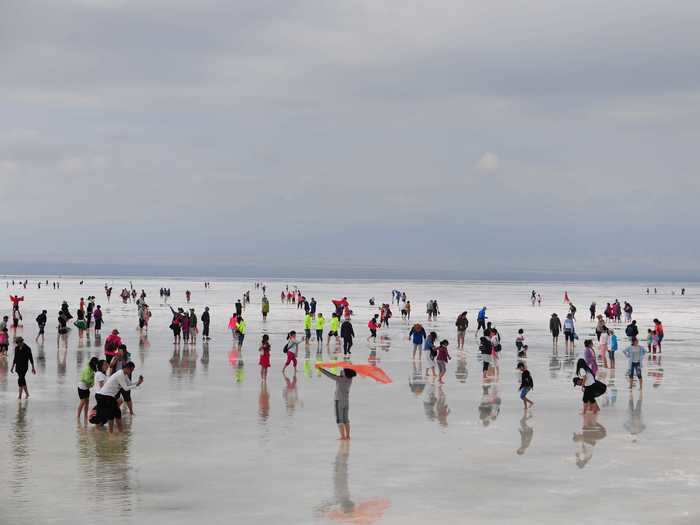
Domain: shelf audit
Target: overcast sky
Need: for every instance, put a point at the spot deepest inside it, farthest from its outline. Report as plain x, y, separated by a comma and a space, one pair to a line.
490, 138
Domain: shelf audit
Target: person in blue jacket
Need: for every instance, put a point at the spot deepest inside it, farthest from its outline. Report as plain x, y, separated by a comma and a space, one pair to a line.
417, 336
481, 321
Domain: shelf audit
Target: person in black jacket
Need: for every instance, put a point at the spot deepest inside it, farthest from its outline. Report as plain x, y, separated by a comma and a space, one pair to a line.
347, 333
41, 321
20, 364
205, 323
526, 384
632, 331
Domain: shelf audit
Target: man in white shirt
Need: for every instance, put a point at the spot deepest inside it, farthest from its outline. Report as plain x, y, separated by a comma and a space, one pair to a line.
107, 407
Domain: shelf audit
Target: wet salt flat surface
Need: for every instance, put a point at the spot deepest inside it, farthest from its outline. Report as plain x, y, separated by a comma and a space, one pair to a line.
209, 443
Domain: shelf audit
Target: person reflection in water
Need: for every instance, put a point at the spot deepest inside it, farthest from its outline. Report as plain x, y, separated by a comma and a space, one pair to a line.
591, 432
526, 433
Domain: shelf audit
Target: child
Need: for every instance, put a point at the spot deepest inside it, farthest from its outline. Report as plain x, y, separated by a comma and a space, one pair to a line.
291, 349
265, 356
526, 384
523, 352
654, 341
650, 339
373, 326
520, 341
442, 357
613, 348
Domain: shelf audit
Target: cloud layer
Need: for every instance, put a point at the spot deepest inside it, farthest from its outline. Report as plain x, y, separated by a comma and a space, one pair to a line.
336, 134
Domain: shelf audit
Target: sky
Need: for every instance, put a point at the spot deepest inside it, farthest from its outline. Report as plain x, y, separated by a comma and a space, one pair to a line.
434, 139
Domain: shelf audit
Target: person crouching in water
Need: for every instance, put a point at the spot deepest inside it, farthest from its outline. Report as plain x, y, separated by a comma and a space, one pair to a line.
107, 407
342, 399
87, 381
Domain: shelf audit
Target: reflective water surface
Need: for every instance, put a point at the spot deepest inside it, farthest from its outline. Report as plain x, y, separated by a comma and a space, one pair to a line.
211, 442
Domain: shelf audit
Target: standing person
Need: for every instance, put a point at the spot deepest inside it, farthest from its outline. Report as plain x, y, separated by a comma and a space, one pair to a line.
481, 322
308, 321
97, 317
242, 328
632, 331
193, 327
206, 319
291, 349
569, 332
613, 348
20, 364
188, 295
343, 382
239, 308
347, 334
107, 406
407, 307
526, 384
635, 354
600, 326
320, 323
555, 328
592, 310
603, 346
442, 357
430, 351
41, 322
659, 329
264, 356
417, 335
373, 327
87, 381
265, 308
589, 356
462, 323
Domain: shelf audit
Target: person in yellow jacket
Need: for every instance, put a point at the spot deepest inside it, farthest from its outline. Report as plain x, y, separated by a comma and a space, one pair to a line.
320, 323
334, 327
308, 321
241, 328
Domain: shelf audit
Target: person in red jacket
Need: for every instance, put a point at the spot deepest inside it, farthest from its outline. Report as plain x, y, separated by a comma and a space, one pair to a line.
373, 327
112, 344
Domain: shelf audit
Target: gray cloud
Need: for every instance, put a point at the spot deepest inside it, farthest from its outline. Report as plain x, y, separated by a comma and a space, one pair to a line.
311, 133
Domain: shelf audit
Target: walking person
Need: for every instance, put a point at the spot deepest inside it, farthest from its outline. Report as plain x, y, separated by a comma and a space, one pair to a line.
291, 349
481, 322
526, 384
442, 357
347, 334
41, 323
20, 364
333, 329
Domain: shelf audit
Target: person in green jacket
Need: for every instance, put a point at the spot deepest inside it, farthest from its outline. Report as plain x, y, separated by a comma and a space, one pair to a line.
87, 380
333, 332
320, 323
241, 328
265, 308
308, 320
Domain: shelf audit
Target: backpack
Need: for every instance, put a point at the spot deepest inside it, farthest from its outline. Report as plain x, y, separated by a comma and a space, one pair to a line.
629, 331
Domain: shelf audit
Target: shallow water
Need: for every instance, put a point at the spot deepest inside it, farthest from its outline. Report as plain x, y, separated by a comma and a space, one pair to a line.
209, 442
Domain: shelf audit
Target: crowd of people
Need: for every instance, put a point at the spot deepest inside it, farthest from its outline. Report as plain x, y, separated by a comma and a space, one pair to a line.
111, 378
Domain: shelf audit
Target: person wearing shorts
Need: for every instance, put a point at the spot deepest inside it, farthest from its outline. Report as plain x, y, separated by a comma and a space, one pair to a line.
343, 382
